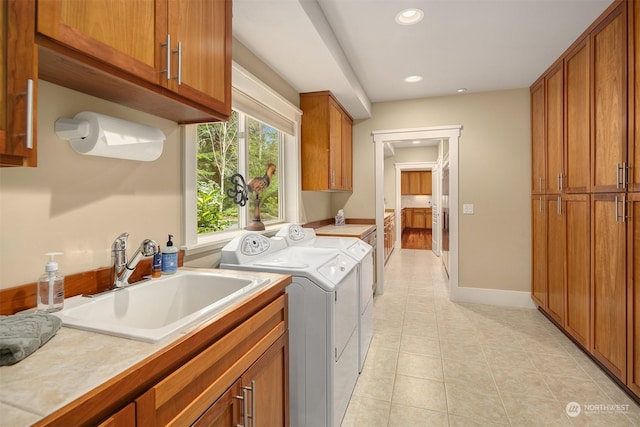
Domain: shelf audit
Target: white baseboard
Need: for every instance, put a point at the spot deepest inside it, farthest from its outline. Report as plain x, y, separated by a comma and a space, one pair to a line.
492, 297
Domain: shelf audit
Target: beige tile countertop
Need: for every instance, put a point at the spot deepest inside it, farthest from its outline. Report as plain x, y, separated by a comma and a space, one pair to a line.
347, 230
75, 362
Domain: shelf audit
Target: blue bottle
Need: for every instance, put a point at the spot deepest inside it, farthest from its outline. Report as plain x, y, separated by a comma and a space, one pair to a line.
169, 258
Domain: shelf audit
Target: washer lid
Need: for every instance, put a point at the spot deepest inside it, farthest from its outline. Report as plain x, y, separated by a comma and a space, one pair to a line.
337, 268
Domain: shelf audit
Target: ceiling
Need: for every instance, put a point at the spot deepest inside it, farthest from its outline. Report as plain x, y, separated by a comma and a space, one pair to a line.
356, 49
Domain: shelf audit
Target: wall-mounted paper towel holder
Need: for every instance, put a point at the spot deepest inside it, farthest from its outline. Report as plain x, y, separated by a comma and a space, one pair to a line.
100, 135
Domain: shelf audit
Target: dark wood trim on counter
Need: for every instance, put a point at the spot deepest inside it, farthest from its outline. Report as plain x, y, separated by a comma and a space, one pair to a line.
23, 297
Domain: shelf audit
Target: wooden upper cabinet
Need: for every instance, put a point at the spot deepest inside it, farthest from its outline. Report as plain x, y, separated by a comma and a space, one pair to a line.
538, 157
327, 140
18, 84
609, 104
121, 33
201, 51
634, 97
169, 58
577, 119
416, 183
554, 129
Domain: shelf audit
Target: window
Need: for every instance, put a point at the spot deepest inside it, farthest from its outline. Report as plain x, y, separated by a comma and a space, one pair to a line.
242, 145
262, 129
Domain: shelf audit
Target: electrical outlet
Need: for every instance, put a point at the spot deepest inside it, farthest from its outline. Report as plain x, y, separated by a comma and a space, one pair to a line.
467, 208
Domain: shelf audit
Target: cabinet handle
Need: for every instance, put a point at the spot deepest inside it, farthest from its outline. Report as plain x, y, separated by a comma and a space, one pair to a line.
29, 130
179, 52
245, 391
559, 183
619, 217
540, 183
622, 175
559, 208
168, 45
540, 205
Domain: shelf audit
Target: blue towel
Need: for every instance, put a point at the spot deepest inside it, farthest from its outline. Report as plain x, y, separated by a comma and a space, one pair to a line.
22, 334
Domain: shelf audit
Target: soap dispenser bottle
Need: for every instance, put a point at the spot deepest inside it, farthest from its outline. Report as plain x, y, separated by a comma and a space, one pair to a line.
51, 286
169, 257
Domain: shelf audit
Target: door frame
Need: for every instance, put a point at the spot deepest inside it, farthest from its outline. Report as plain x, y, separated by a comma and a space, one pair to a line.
452, 135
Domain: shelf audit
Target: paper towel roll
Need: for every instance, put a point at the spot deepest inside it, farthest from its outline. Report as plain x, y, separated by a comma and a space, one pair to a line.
122, 139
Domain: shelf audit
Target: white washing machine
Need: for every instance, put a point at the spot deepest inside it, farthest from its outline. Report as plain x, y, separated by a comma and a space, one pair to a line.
296, 235
323, 338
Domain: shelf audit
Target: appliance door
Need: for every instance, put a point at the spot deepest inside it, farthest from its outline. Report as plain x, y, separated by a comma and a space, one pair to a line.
435, 232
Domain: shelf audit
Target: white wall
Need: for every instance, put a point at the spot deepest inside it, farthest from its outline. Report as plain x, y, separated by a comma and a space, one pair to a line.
494, 165
79, 204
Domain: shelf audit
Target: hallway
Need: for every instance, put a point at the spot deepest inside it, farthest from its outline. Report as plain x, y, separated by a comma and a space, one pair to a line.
436, 363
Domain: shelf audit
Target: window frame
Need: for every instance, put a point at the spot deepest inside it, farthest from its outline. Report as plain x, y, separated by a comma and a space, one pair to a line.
289, 164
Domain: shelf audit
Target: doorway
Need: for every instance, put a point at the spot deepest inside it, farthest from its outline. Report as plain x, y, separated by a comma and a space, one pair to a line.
416, 203
450, 136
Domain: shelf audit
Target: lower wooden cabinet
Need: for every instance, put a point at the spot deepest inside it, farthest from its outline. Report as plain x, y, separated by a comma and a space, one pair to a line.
205, 389
126, 417
257, 397
609, 285
539, 250
633, 295
556, 226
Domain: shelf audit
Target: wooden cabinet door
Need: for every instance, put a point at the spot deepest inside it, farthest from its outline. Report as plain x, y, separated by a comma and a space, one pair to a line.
419, 218
577, 262
335, 147
19, 76
404, 183
347, 153
609, 105
577, 131
539, 250
425, 183
428, 220
415, 182
538, 156
119, 33
226, 411
554, 123
555, 258
609, 284
634, 98
633, 295
267, 385
201, 51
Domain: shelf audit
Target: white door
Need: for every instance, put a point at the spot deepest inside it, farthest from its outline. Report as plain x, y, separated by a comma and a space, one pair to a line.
435, 211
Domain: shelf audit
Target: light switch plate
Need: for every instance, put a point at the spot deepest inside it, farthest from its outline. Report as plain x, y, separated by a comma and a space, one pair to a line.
467, 208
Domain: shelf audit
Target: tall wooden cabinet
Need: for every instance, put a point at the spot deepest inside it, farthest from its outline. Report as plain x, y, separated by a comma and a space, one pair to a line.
609, 103
19, 82
327, 159
585, 235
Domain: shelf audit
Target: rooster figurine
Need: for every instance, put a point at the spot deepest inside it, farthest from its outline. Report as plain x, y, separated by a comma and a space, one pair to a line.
240, 193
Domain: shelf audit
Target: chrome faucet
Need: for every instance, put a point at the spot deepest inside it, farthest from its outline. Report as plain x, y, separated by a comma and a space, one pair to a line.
122, 267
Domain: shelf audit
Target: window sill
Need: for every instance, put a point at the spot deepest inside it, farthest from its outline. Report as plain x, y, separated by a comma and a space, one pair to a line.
218, 241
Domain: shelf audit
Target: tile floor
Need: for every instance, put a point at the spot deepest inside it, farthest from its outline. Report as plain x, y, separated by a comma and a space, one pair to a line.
436, 363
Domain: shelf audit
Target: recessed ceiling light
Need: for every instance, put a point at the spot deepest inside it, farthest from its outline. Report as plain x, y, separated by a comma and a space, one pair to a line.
416, 142
413, 79
409, 16
462, 90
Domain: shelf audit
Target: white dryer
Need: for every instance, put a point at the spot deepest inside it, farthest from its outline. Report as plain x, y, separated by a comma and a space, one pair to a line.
296, 235
323, 339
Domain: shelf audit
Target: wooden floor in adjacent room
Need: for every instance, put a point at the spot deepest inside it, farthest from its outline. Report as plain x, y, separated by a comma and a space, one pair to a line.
416, 238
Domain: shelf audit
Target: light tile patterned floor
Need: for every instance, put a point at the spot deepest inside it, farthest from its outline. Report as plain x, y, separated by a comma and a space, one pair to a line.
436, 363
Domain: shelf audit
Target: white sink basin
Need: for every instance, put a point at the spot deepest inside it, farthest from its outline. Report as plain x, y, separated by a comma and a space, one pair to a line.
151, 310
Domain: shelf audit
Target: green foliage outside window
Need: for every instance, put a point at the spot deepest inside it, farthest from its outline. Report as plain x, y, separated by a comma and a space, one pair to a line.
217, 160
